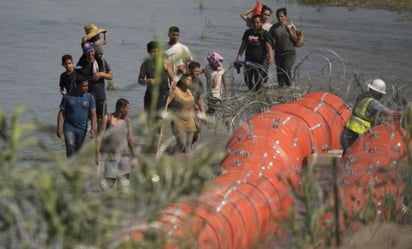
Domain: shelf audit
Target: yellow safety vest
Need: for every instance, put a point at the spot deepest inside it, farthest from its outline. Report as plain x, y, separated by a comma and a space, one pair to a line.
359, 122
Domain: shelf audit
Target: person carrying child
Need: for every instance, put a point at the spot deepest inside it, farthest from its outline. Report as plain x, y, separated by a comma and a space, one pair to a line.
93, 36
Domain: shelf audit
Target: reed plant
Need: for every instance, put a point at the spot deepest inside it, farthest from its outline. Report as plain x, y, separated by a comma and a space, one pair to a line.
55, 203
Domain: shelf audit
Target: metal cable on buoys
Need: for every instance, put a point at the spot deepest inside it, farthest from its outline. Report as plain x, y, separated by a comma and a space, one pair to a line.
370, 173
333, 122
251, 198
271, 125
317, 125
265, 157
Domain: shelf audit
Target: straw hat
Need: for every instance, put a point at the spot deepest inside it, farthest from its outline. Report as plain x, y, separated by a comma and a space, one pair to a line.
91, 31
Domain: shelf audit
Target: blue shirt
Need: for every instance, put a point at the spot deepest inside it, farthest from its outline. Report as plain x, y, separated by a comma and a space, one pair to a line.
76, 111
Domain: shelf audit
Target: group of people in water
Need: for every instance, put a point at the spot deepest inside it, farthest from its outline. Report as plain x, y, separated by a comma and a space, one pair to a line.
265, 43
172, 80
173, 83
83, 90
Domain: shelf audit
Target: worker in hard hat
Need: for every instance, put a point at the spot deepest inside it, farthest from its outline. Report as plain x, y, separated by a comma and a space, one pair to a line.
364, 113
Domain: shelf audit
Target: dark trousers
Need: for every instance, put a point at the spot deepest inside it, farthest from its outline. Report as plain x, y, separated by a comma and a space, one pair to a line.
284, 64
73, 142
347, 138
254, 76
101, 108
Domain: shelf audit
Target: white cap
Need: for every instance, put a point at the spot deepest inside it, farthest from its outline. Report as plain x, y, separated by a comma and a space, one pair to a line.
378, 85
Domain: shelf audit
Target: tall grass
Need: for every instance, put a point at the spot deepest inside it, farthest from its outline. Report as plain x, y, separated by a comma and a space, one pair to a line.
56, 203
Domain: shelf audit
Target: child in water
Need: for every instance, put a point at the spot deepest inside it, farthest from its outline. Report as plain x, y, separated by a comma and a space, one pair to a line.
216, 81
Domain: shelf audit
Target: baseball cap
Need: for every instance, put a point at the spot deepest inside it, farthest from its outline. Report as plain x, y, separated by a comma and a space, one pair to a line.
87, 47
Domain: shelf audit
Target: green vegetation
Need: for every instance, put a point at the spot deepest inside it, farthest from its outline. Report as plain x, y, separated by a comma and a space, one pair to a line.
203, 36
111, 86
398, 5
201, 5
54, 203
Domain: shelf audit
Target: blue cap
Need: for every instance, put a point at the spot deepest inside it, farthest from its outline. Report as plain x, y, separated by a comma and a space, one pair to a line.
87, 47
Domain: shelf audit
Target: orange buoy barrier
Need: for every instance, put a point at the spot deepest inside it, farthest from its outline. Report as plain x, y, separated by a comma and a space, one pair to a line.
329, 115
246, 203
274, 162
370, 173
269, 126
317, 125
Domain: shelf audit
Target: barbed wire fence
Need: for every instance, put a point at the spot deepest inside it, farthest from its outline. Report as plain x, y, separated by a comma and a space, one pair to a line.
319, 70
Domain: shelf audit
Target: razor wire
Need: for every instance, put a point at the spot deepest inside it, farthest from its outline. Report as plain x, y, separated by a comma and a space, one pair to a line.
317, 70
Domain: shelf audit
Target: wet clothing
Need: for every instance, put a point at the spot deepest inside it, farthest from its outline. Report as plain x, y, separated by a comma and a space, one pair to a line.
285, 53
67, 81
214, 81
96, 88
183, 124
116, 168
197, 89
162, 89
256, 45
115, 149
256, 52
101, 108
184, 141
177, 54
115, 140
282, 42
214, 87
183, 111
73, 141
76, 109
99, 59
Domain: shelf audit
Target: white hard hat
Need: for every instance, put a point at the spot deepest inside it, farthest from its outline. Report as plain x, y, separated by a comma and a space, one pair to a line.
378, 85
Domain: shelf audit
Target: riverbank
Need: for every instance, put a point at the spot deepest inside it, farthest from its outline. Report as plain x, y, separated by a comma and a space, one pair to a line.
395, 5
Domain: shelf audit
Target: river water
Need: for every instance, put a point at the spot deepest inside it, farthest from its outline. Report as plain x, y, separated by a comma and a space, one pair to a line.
35, 34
